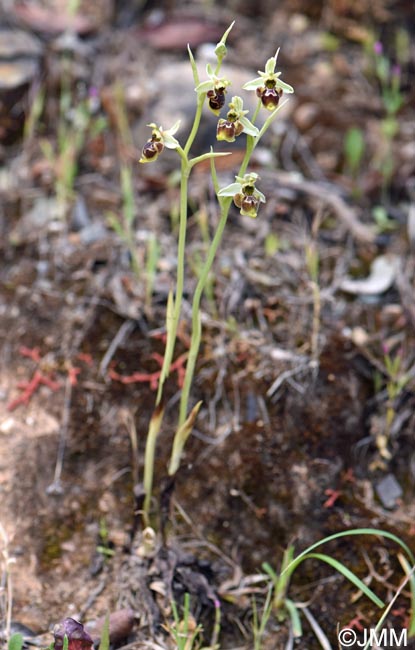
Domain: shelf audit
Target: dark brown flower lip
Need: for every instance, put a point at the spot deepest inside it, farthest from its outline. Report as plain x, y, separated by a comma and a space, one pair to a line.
152, 149
270, 97
216, 98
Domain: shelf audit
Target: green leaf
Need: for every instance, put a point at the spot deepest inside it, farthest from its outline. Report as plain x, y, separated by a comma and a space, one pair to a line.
153, 431
115, 224
354, 145
105, 636
15, 642
341, 568
295, 618
270, 571
353, 532
409, 571
194, 66
180, 438
226, 34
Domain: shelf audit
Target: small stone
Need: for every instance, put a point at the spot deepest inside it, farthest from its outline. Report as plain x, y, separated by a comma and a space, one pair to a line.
80, 218
388, 491
93, 233
7, 425
306, 115
16, 43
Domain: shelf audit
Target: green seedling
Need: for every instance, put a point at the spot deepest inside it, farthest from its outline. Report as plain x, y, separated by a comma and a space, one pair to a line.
284, 608
15, 642
75, 122
389, 79
33, 117
185, 632
104, 547
124, 227
354, 148
383, 223
260, 621
272, 244
396, 380
105, 636
243, 193
313, 262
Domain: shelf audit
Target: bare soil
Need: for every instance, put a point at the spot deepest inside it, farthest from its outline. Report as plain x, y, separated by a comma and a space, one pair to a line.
292, 442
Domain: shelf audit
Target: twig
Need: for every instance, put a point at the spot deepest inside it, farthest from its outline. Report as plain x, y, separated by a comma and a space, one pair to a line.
328, 195
287, 374
55, 488
8, 580
124, 331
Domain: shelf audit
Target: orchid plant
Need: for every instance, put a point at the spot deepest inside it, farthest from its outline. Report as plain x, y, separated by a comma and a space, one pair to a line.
212, 91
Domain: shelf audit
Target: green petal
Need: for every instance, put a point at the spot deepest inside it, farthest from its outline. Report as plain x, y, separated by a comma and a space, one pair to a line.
230, 190
173, 129
260, 196
249, 128
170, 142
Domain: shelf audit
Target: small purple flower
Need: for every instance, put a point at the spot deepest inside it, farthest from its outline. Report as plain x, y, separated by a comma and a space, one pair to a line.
78, 639
378, 48
396, 71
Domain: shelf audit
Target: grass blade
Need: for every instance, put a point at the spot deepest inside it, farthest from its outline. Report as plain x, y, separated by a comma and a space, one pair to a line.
180, 438
341, 568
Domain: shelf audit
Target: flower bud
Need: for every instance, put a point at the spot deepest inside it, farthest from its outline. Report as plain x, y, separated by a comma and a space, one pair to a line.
221, 50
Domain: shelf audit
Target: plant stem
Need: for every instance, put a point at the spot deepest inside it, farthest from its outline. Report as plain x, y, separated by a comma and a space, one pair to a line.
172, 330
196, 319
196, 122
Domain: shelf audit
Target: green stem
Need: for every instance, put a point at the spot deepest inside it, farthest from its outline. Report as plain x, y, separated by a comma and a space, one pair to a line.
172, 330
196, 320
196, 122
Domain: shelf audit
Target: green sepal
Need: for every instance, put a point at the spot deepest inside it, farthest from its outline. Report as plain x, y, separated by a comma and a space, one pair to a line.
230, 190
249, 128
